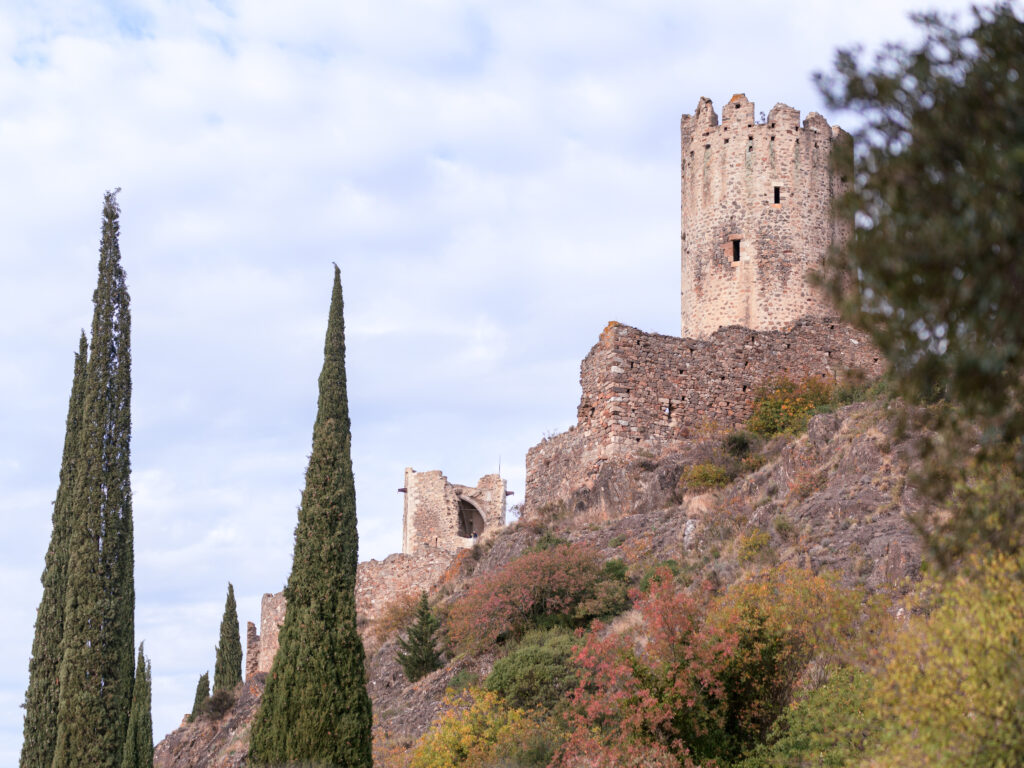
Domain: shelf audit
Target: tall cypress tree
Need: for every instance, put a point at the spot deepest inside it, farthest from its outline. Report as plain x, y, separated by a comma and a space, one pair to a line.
41, 696
97, 668
315, 709
138, 743
227, 672
202, 694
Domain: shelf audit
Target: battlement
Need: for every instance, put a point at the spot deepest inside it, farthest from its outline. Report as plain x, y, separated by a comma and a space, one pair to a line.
756, 214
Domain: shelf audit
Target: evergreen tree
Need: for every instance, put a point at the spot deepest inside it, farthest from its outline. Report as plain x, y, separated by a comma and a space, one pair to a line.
138, 744
418, 655
97, 668
227, 673
41, 696
315, 709
202, 695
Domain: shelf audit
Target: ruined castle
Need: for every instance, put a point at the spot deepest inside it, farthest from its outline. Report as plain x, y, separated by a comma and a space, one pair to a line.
757, 219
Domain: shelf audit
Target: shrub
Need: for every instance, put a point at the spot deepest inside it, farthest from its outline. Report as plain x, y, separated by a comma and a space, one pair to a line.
479, 728
784, 528
461, 680
697, 683
538, 672
398, 614
739, 443
703, 477
951, 692
565, 585
219, 703
784, 407
754, 546
829, 726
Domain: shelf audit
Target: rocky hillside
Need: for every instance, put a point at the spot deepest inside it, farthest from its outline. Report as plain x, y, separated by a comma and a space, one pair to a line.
835, 498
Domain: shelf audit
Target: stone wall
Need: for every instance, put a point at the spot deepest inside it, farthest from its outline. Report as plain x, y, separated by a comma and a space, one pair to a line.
378, 583
436, 511
645, 392
745, 257
271, 619
252, 651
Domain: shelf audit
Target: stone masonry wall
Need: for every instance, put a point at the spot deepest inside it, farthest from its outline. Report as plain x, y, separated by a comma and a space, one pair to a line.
729, 175
648, 392
252, 651
378, 583
431, 511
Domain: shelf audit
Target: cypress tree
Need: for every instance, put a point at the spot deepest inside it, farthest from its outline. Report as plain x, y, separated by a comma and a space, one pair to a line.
97, 668
227, 672
202, 694
418, 655
138, 743
315, 708
40, 732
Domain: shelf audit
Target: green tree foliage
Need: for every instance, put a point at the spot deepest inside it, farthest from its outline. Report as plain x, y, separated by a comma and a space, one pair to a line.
951, 695
227, 672
538, 673
138, 744
40, 732
202, 696
828, 727
418, 649
98, 663
315, 708
937, 198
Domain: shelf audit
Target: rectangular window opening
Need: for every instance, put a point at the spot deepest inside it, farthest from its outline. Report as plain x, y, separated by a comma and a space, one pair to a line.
735, 250
778, 195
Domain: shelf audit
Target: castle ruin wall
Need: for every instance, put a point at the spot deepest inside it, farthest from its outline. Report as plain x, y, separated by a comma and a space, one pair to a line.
645, 392
378, 584
442, 515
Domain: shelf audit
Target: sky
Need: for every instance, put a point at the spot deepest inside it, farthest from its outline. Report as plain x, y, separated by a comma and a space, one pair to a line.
496, 182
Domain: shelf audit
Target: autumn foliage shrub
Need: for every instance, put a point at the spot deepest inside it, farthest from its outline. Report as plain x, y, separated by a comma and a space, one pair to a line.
784, 406
480, 729
696, 682
564, 585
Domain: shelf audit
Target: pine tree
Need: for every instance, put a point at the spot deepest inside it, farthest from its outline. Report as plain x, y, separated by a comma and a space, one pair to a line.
227, 673
202, 696
418, 655
138, 744
97, 667
315, 709
41, 696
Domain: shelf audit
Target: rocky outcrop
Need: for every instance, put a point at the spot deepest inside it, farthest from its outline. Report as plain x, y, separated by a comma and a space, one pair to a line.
214, 742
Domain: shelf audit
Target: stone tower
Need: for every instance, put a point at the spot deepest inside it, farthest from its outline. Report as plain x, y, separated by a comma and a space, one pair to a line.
442, 515
756, 215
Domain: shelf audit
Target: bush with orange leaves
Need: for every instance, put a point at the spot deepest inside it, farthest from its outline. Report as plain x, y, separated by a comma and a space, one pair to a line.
565, 585
700, 683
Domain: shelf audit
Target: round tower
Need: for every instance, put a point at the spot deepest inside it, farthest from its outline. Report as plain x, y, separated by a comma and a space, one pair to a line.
756, 215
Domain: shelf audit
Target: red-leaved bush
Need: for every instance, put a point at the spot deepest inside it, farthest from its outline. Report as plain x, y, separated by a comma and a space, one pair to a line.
699, 683
566, 584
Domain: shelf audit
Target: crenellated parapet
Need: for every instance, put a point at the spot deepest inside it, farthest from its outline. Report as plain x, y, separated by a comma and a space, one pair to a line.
757, 215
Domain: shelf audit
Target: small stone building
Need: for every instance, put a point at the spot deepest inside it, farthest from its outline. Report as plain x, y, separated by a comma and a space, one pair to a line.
442, 515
